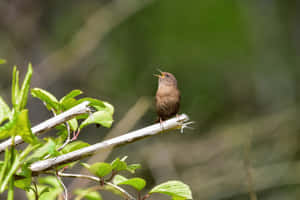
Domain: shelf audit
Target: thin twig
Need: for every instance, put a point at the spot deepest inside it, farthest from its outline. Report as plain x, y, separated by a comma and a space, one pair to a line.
62, 184
94, 178
171, 124
68, 140
51, 123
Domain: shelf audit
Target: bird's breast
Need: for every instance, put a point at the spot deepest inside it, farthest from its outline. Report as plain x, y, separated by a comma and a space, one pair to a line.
167, 102
167, 95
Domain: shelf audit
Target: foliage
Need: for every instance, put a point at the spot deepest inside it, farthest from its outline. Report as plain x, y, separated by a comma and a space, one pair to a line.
14, 169
175, 189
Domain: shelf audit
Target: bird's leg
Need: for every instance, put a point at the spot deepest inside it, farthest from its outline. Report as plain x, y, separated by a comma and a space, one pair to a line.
161, 123
186, 125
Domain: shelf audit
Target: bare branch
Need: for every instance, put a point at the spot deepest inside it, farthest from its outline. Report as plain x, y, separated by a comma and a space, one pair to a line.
51, 123
171, 124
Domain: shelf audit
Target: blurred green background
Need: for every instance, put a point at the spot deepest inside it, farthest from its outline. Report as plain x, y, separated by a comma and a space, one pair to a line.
237, 66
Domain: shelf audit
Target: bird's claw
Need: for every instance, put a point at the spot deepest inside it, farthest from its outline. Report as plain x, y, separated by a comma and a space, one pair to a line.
186, 125
161, 124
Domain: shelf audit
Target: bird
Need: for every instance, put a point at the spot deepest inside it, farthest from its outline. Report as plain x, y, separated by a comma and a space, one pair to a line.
167, 98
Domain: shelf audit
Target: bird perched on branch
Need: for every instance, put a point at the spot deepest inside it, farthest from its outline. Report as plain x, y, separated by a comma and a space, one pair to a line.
167, 96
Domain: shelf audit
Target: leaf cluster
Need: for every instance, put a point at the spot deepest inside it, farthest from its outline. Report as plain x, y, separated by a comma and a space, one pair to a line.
15, 122
14, 169
175, 189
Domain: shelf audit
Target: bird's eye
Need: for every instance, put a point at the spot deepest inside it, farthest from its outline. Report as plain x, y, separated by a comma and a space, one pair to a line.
167, 75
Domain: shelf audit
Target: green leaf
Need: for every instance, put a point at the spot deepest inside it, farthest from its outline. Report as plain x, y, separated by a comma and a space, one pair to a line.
99, 169
74, 146
24, 171
119, 179
50, 180
23, 93
45, 193
93, 102
100, 117
50, 191
73, 124
131, 168
137, 183
69, 101
48, 148
62, 133
7, 129
2, 61
19, 125
119, 165
4, 111
175, 189
43, 190
107, 107
15, 87
88, 194
72, 94
86, 165
49, 99
13, 166
23, 128
23, 184
66, 105
18, 159
5, 165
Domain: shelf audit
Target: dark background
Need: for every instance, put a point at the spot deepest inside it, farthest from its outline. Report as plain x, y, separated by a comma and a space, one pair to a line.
236, 62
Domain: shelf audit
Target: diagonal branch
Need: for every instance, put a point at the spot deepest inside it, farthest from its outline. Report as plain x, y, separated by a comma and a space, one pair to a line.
171, 124
51, 123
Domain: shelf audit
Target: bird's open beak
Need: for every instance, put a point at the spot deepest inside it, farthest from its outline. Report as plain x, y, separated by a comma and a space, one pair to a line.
161, 75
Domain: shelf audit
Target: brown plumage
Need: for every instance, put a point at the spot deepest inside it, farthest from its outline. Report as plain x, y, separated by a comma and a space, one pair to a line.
167, 96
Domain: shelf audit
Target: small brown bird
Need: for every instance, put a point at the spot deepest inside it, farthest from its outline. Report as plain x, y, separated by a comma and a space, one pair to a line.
167, 96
